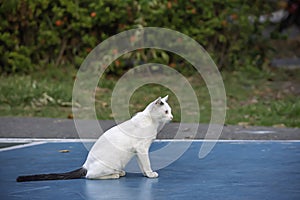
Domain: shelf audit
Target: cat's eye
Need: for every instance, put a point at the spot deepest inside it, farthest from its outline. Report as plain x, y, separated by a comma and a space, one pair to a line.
166, 112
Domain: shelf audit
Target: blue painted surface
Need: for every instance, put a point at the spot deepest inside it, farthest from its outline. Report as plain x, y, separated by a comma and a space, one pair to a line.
247, 170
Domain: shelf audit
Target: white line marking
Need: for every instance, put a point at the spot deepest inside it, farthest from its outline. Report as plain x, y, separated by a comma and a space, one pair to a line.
28, 140
223, 141
21, 146
35, 140
39, 141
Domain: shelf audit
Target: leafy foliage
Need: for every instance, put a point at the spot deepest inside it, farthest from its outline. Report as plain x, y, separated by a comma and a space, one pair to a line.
36, 34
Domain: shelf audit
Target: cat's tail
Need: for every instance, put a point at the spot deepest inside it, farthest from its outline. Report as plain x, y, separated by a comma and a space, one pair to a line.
78, 173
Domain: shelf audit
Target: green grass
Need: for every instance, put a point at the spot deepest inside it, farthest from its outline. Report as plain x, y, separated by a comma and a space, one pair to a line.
39, 94
256, 98
265, 99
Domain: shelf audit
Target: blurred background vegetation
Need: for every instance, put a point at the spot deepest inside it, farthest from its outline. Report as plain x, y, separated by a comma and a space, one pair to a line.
44, 42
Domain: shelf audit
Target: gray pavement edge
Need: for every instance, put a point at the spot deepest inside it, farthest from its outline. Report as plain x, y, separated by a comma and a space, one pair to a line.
23, 127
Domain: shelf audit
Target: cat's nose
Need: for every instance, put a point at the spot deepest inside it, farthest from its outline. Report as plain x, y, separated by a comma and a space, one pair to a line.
171, 117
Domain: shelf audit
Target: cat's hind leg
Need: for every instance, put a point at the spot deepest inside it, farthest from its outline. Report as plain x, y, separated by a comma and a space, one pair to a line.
122, 173
111, 176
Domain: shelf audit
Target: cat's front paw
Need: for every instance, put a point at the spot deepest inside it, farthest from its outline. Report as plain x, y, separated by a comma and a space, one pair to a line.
151, 174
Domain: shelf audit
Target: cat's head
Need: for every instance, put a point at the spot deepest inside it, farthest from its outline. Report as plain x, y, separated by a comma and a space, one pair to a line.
160, 110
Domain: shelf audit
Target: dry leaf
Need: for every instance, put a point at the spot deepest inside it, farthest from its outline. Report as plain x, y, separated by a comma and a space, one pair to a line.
243, 124
64, 151
70, 116
279, 126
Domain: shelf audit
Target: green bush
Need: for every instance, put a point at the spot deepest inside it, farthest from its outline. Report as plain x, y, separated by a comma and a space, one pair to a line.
36, 34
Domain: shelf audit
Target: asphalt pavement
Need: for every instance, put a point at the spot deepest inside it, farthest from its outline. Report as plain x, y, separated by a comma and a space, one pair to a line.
22, 127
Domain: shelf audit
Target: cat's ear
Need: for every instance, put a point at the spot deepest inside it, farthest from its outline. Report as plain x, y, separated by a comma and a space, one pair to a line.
158, 101
165, 98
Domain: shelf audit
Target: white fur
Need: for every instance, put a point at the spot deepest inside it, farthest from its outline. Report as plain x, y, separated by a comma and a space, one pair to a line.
115, 148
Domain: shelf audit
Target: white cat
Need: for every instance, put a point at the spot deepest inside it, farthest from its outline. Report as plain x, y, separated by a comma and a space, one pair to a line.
115, 148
